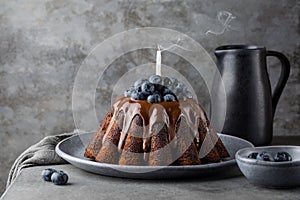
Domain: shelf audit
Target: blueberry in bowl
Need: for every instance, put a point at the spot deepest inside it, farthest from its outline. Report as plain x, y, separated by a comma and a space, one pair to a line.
271, 166
282, 157
265, 156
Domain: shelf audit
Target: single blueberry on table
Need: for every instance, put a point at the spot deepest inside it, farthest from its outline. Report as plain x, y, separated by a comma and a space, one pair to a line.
154, 98
169, 97
253, 155
148, 88
155, 79
59, 178
47, 173
282, 157
265, 156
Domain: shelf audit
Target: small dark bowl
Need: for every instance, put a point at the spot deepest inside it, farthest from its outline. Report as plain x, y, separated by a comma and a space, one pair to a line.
271, 174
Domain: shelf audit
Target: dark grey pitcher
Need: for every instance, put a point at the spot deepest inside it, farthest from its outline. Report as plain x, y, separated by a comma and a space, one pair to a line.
250, 104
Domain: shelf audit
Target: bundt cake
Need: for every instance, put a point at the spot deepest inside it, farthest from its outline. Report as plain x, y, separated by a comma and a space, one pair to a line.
156, 122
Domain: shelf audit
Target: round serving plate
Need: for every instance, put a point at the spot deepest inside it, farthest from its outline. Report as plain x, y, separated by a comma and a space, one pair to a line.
72, 150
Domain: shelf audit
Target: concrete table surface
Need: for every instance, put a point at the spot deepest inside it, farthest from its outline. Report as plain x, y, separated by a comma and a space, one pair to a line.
84, 185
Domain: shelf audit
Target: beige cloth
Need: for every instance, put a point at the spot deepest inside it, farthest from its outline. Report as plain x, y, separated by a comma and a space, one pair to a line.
42, 153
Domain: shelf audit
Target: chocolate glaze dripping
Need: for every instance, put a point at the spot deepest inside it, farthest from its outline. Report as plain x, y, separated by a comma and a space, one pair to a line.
152, 113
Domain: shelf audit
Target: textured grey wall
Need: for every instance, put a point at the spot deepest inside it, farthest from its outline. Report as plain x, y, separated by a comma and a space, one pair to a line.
42, 44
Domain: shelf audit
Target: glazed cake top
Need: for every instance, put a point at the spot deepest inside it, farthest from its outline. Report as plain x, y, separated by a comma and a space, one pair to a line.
157, 100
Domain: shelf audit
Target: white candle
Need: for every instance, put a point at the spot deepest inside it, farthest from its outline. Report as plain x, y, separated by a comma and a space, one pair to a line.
158, 62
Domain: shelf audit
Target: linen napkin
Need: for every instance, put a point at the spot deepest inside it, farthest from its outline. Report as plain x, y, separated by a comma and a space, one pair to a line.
42, 153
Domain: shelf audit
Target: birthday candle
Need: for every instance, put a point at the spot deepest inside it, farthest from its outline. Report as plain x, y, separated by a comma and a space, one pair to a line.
158, 62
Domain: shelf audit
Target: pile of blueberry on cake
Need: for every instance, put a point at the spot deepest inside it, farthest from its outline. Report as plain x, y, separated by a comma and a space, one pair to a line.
157, 89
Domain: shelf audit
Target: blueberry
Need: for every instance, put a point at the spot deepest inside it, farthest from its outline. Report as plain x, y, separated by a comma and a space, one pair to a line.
47, 173
159, 88
178, 91
169, 97
139, 82
181, 97
166, 81
188, 94
148, 88
253, 155
166, 90
174, 82
139, 89
154, 98
135, 95
171, 87
59, 178
282, 157
182, 87
265, 156
128, 92
138, 95
155, 79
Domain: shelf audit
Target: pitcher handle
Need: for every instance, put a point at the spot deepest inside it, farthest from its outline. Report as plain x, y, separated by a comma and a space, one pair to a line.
284, 75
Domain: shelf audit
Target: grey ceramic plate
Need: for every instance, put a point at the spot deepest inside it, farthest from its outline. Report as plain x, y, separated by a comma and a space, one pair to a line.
72, 150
